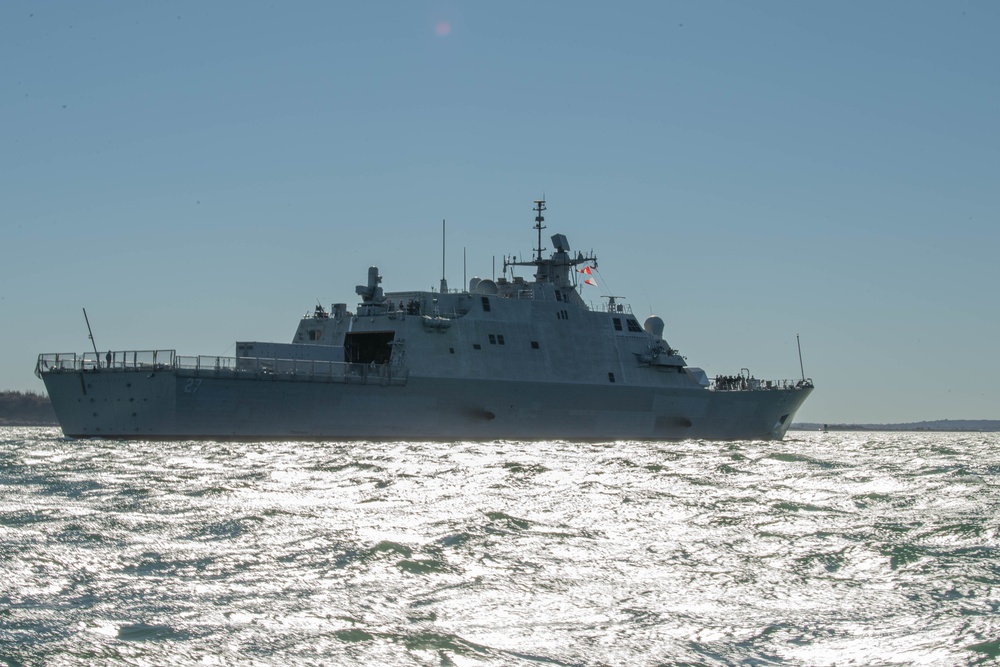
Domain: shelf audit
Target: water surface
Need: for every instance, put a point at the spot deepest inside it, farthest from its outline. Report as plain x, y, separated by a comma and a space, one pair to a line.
823, 549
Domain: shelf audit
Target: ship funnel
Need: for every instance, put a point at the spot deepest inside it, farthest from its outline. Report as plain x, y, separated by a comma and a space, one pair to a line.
654, 326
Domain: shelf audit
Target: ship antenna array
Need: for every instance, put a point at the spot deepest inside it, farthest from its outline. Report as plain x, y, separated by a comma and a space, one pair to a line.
539, 219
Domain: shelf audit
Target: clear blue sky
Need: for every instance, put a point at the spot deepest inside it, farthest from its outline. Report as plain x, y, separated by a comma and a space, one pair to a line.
195, 173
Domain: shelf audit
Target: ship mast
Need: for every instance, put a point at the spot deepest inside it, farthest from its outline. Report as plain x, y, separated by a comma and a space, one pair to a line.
547, 270
539, 219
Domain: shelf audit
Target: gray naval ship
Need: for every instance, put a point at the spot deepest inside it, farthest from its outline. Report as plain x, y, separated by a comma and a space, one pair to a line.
503, 359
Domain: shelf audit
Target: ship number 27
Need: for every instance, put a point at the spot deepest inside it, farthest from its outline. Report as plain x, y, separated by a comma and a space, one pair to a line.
192, 386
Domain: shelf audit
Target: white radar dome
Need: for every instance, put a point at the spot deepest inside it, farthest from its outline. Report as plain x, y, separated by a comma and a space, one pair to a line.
486, 286
653, 326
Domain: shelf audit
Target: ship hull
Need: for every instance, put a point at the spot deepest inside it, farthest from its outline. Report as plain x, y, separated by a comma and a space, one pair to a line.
178, 404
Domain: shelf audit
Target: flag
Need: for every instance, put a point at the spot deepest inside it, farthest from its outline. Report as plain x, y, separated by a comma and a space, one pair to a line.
590, 281
585, 269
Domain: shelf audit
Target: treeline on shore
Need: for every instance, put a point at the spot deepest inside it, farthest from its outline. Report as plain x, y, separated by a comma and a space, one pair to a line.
19, 408
944, 425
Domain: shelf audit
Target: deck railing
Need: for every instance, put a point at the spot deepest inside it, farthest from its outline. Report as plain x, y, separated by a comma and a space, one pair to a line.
294, 369
753, 384
133, 360
222, 367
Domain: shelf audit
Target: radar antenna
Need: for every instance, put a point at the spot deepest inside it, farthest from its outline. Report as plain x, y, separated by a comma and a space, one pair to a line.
613, 305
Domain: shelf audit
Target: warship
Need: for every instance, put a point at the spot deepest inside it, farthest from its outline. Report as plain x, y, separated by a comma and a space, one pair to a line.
500, 359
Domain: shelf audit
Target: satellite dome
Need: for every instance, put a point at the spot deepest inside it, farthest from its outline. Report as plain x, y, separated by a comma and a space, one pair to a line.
653, 326
486, 286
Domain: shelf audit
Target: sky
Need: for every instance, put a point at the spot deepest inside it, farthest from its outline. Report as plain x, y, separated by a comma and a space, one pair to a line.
197, 173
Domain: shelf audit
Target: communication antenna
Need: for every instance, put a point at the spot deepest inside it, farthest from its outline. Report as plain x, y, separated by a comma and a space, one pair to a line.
444, 283
801, 369
90, 334
648, 302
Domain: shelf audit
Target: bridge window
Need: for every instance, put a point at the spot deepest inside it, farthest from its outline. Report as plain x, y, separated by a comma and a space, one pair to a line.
486, 304
633, 325
618, 323
534, 345
611, 377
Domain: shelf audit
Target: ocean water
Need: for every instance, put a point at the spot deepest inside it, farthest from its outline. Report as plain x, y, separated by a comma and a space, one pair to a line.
823, 549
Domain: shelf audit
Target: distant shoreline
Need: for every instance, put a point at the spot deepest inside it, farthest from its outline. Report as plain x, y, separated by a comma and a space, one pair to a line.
26, 409
936, 426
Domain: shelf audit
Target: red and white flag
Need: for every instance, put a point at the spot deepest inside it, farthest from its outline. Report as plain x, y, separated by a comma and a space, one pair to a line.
590, 281
585, 269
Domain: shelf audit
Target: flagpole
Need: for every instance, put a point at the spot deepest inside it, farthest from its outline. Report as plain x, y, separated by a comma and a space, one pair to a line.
801, 368
90, 333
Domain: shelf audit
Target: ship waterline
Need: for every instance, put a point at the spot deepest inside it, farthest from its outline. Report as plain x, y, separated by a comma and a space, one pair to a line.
501, 359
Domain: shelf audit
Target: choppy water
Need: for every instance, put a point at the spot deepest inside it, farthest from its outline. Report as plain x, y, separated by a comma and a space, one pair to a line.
824, 549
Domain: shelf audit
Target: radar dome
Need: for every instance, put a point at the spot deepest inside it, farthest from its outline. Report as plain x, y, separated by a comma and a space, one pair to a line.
486, 286
653, 326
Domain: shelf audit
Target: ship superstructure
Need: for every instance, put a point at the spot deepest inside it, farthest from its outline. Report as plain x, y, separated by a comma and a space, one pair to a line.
499, 359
